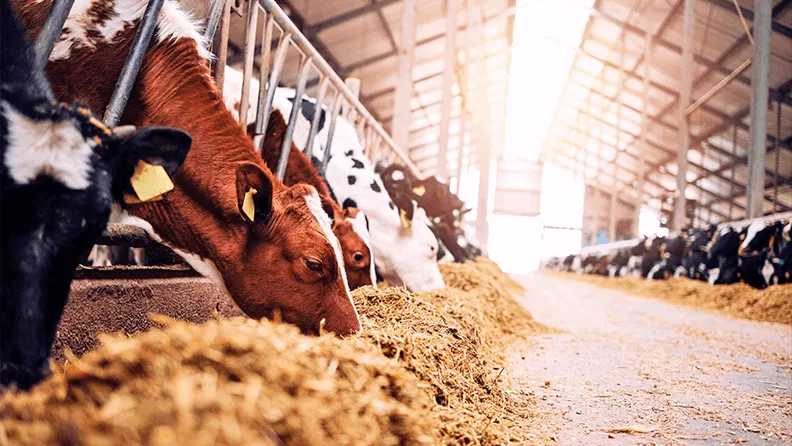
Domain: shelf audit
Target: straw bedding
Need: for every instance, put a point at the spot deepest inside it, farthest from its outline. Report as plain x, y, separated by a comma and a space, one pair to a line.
773, 304
425, 370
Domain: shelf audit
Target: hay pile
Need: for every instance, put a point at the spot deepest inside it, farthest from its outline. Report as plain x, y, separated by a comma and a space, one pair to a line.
234, 381
452, 340
773, 304
426, 370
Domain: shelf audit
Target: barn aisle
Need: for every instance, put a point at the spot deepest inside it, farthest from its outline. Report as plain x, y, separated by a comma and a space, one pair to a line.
657, 372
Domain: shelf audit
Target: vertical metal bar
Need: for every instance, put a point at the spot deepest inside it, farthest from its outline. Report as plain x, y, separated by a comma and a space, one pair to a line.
45, 42
323, 82
221, 45
368, 139
644, 129
249, 49
699, 209
266, 38
776, 204
482, 208
331, 132
302, 78
348, 110
464, 116
760, 70
733, 172
686, 83
265, 109
404, 86
360, 128
614, 204
448, 81
134, 60
213, 20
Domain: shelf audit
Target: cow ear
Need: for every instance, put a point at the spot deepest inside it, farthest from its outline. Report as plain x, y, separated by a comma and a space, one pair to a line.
254, 193
159, 146
156, 146
331, 209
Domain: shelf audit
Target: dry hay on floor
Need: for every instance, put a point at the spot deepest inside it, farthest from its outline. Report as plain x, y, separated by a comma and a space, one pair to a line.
773, 304
225, 382
452, 340
245, 382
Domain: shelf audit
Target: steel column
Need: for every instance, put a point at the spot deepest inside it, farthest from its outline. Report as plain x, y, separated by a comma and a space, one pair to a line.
482, 207
760, 70
686, 82
400, 129
448, 81
733, 172
614, 192
644, 129
777, 156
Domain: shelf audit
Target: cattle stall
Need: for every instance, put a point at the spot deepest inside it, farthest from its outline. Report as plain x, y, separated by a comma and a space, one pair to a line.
137, 290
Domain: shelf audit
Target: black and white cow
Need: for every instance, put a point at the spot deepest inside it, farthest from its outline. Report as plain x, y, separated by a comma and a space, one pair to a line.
782, 254
695, 261
654, 253
61, 169
723, 259
756, 251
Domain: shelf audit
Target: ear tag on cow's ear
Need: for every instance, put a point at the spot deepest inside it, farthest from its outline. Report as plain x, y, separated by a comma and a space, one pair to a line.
248, 205
130, 198
150, 180
405, 222
419, 190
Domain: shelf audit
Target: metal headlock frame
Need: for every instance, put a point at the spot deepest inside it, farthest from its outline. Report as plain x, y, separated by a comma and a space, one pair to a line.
291, 36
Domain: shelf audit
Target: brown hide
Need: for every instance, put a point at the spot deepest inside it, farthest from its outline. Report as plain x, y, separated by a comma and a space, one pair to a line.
283, 262
357, 256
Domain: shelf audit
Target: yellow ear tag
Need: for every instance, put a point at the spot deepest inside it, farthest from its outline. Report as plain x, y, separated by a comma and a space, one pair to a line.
406, 223
133, 199
419, 190
248, 206
149, 181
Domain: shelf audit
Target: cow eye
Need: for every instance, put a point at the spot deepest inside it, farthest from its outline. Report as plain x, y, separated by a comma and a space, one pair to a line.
313, 265
358, 256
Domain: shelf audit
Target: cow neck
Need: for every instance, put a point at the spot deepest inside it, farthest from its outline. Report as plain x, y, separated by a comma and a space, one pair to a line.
176, 90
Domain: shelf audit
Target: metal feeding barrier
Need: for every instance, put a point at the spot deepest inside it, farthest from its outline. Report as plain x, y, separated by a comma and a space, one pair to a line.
607, 248
375, 139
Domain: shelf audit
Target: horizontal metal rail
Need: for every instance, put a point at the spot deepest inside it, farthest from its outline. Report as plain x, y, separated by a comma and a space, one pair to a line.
607, 248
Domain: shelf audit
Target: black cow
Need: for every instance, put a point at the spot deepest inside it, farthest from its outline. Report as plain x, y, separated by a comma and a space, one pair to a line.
655, 250
61, 170
756, 268
782, 255
723, 257
695, 260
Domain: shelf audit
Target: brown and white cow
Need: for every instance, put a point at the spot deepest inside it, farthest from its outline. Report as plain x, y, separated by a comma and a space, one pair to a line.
285, 258
349, 225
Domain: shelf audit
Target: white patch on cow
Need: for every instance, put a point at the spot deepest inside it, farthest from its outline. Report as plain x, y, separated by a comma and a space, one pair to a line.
752, 231
461, 241
57, 149
655, 269
397, 175
204, 267
359, 226
612, 270
174, 23
679, 272
786, 233
768, 271
315, 206
714, 273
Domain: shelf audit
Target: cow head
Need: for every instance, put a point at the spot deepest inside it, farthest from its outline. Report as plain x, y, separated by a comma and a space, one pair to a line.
62, 169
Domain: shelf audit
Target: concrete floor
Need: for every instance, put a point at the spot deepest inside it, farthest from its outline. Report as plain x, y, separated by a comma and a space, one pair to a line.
665, 373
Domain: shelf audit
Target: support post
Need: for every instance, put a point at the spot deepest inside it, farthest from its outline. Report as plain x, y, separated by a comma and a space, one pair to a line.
733, 172
686, 83
777, 150
448, 81
644, 129
614, 204
404, 86
482, 226
347, 110
760, 70
465, 144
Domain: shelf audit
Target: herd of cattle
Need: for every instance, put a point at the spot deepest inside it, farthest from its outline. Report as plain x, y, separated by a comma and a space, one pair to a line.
759, 254
193, 179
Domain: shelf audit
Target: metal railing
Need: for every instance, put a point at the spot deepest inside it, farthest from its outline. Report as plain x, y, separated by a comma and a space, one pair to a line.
375, 140
607, 248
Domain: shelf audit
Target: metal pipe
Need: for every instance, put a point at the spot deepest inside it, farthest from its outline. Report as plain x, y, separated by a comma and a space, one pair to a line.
718, 87
448, 81
644, 129
133, 62
302, 78
777, 156
686, 82
614, 191
213, 20
221, 43
323, 67
760, 70
249, 50
404, 84
272, 84
45, 42
330, 132
733, 171
324, 81
266, 38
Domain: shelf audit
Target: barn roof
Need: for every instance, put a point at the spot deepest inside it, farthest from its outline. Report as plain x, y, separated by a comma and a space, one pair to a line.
717, 159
